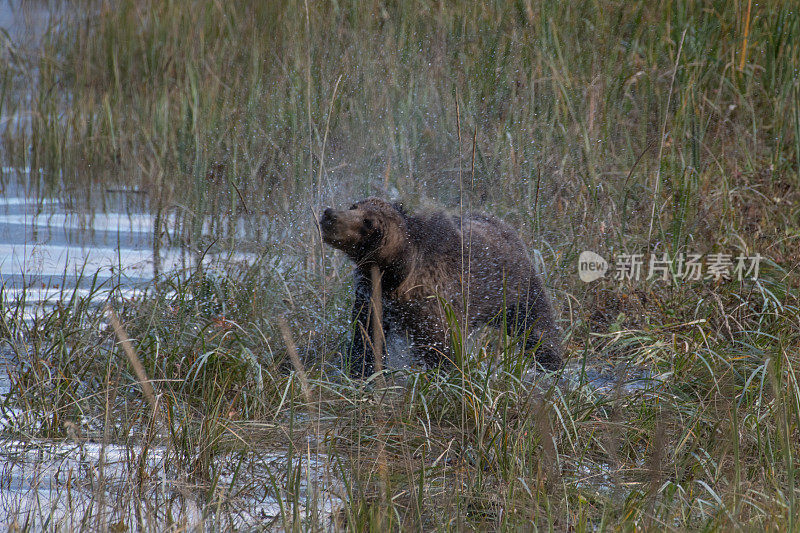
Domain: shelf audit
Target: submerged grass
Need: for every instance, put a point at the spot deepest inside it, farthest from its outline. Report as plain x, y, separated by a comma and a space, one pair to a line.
604, 126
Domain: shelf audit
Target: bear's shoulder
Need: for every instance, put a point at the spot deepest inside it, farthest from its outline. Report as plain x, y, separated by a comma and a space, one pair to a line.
433, 233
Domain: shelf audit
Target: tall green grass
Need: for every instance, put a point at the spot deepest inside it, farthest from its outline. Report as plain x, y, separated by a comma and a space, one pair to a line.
670, 127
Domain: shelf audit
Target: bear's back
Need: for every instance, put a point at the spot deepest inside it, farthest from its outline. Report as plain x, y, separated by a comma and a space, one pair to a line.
440, 236
493, 230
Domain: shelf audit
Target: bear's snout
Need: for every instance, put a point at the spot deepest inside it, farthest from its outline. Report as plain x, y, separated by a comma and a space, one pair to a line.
334, 227
328, 218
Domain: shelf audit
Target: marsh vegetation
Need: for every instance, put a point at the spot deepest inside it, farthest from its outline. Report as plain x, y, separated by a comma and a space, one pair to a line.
616, 127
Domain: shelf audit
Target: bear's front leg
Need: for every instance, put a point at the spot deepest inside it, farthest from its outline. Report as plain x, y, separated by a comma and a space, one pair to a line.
360, 357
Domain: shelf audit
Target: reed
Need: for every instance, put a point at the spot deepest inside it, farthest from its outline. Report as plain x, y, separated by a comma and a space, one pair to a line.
613, 127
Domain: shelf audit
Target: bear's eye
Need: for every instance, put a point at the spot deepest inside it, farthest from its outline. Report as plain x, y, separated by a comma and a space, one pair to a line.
354, 206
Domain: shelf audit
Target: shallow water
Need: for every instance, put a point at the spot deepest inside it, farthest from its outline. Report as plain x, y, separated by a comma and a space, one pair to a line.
51, 252
23, 25
72, 485
25, 22
47, 250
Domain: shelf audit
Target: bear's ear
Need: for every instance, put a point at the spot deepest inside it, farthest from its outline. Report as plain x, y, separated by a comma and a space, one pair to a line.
398, 206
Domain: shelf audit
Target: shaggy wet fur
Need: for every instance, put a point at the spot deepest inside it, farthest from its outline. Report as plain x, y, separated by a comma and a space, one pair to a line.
422, 261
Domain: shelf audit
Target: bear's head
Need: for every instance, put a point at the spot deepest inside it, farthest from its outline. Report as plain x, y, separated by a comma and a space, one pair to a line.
371, 231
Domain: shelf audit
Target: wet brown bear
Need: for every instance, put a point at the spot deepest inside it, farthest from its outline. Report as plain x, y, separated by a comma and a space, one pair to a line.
421, 260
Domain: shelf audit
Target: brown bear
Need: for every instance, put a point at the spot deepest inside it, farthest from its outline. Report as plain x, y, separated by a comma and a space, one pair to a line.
433, 261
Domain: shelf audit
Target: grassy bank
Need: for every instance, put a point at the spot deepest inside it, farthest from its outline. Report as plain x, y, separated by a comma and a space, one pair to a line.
600, 126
